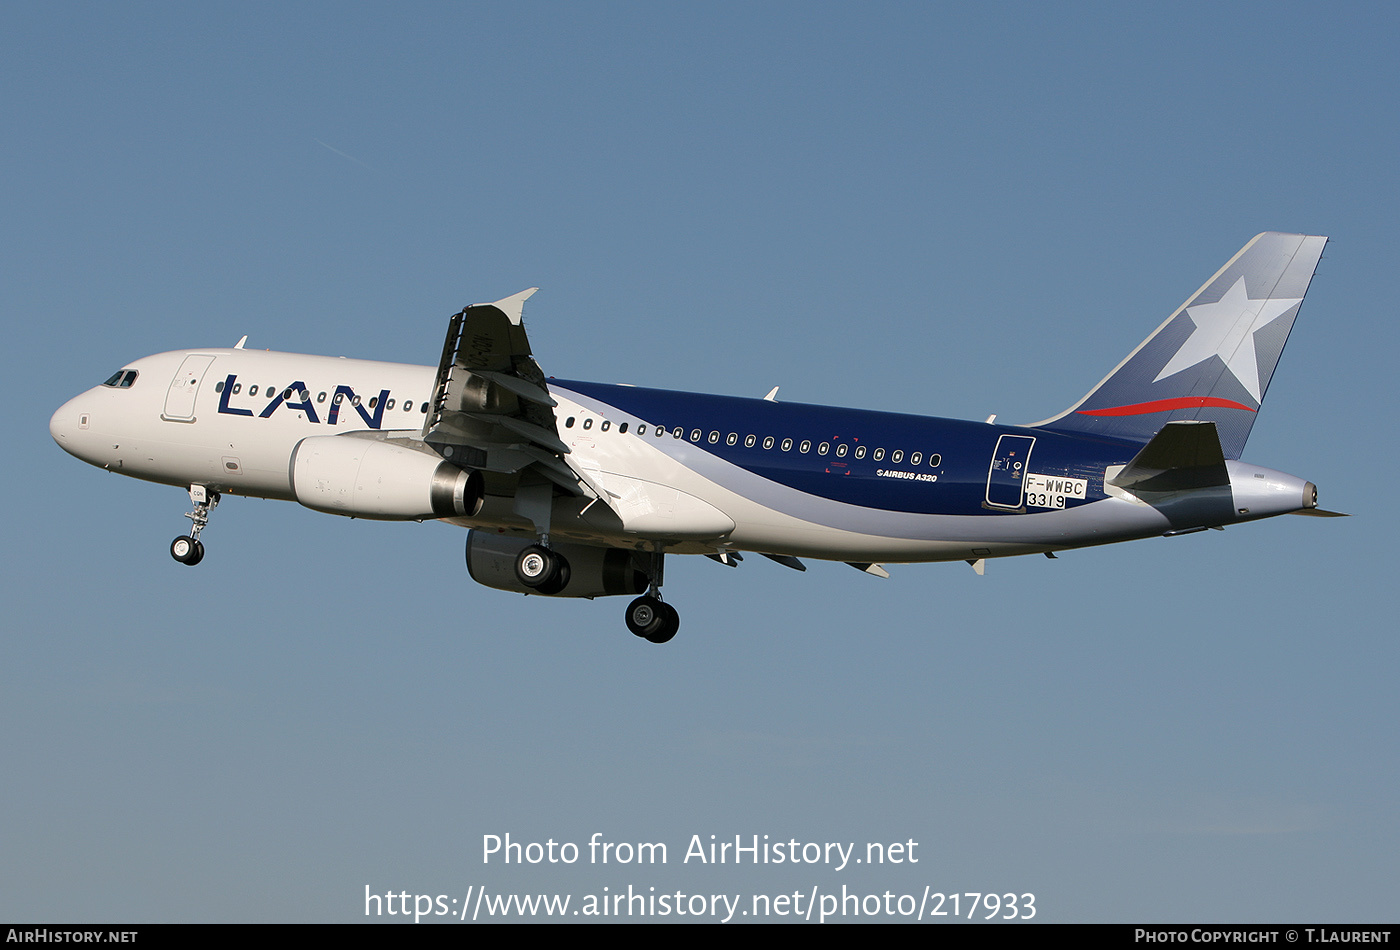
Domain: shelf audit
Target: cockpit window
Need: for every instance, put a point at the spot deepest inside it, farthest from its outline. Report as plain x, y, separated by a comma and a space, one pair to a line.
121, 379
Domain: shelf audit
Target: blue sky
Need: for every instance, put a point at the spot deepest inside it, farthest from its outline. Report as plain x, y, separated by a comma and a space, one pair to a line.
946, 210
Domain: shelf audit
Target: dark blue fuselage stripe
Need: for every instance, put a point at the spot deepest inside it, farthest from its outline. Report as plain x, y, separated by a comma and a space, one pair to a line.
964, 448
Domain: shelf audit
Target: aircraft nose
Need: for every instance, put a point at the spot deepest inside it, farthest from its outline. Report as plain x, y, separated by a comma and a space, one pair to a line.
64, 425
58, 425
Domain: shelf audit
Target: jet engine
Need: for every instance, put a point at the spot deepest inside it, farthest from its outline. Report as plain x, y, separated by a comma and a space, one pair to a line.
368, 478
589, 571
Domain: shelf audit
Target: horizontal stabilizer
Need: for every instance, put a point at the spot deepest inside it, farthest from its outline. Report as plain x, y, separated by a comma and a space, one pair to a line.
1183, 456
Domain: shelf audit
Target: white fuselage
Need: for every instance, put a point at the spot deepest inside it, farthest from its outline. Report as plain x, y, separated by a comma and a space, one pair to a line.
230, 420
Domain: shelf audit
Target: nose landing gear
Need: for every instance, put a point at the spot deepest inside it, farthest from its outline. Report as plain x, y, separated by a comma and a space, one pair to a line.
188, 549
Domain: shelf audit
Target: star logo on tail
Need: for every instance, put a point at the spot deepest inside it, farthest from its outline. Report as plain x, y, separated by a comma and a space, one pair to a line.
1226, 329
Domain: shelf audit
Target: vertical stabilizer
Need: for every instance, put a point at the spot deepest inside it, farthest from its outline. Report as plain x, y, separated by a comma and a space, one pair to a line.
1211, 361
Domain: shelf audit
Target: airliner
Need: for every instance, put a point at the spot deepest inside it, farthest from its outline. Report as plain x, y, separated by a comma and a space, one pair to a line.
579, 489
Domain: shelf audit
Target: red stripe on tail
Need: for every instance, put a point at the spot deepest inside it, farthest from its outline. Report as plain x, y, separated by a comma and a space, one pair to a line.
1167, 405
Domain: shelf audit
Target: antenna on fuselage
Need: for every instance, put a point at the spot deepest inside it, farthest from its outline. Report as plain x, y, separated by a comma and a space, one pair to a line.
239, 344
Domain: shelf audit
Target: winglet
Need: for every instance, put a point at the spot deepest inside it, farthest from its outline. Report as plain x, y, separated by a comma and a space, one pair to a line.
513, 306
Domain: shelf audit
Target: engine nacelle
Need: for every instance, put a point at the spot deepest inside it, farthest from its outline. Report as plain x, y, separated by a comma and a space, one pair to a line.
367, 478
593, 571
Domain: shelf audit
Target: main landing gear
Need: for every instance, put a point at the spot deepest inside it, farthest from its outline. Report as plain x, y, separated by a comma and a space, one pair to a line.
188, 549
543, 570
650, 617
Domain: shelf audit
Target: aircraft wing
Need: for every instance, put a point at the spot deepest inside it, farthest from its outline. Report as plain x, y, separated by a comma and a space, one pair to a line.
491, 409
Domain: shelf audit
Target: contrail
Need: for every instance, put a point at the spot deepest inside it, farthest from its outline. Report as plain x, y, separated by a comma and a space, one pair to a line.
340, 153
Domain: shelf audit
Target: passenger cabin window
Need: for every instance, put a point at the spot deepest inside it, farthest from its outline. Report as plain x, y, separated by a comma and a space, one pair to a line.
588, 423
606, 425
622, 428
569, 422
731, 439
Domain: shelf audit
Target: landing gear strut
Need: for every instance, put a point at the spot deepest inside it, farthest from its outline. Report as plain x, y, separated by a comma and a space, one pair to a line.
188, 549
650, 617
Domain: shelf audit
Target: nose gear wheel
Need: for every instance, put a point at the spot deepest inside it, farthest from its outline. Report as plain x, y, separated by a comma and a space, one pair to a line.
187, 548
